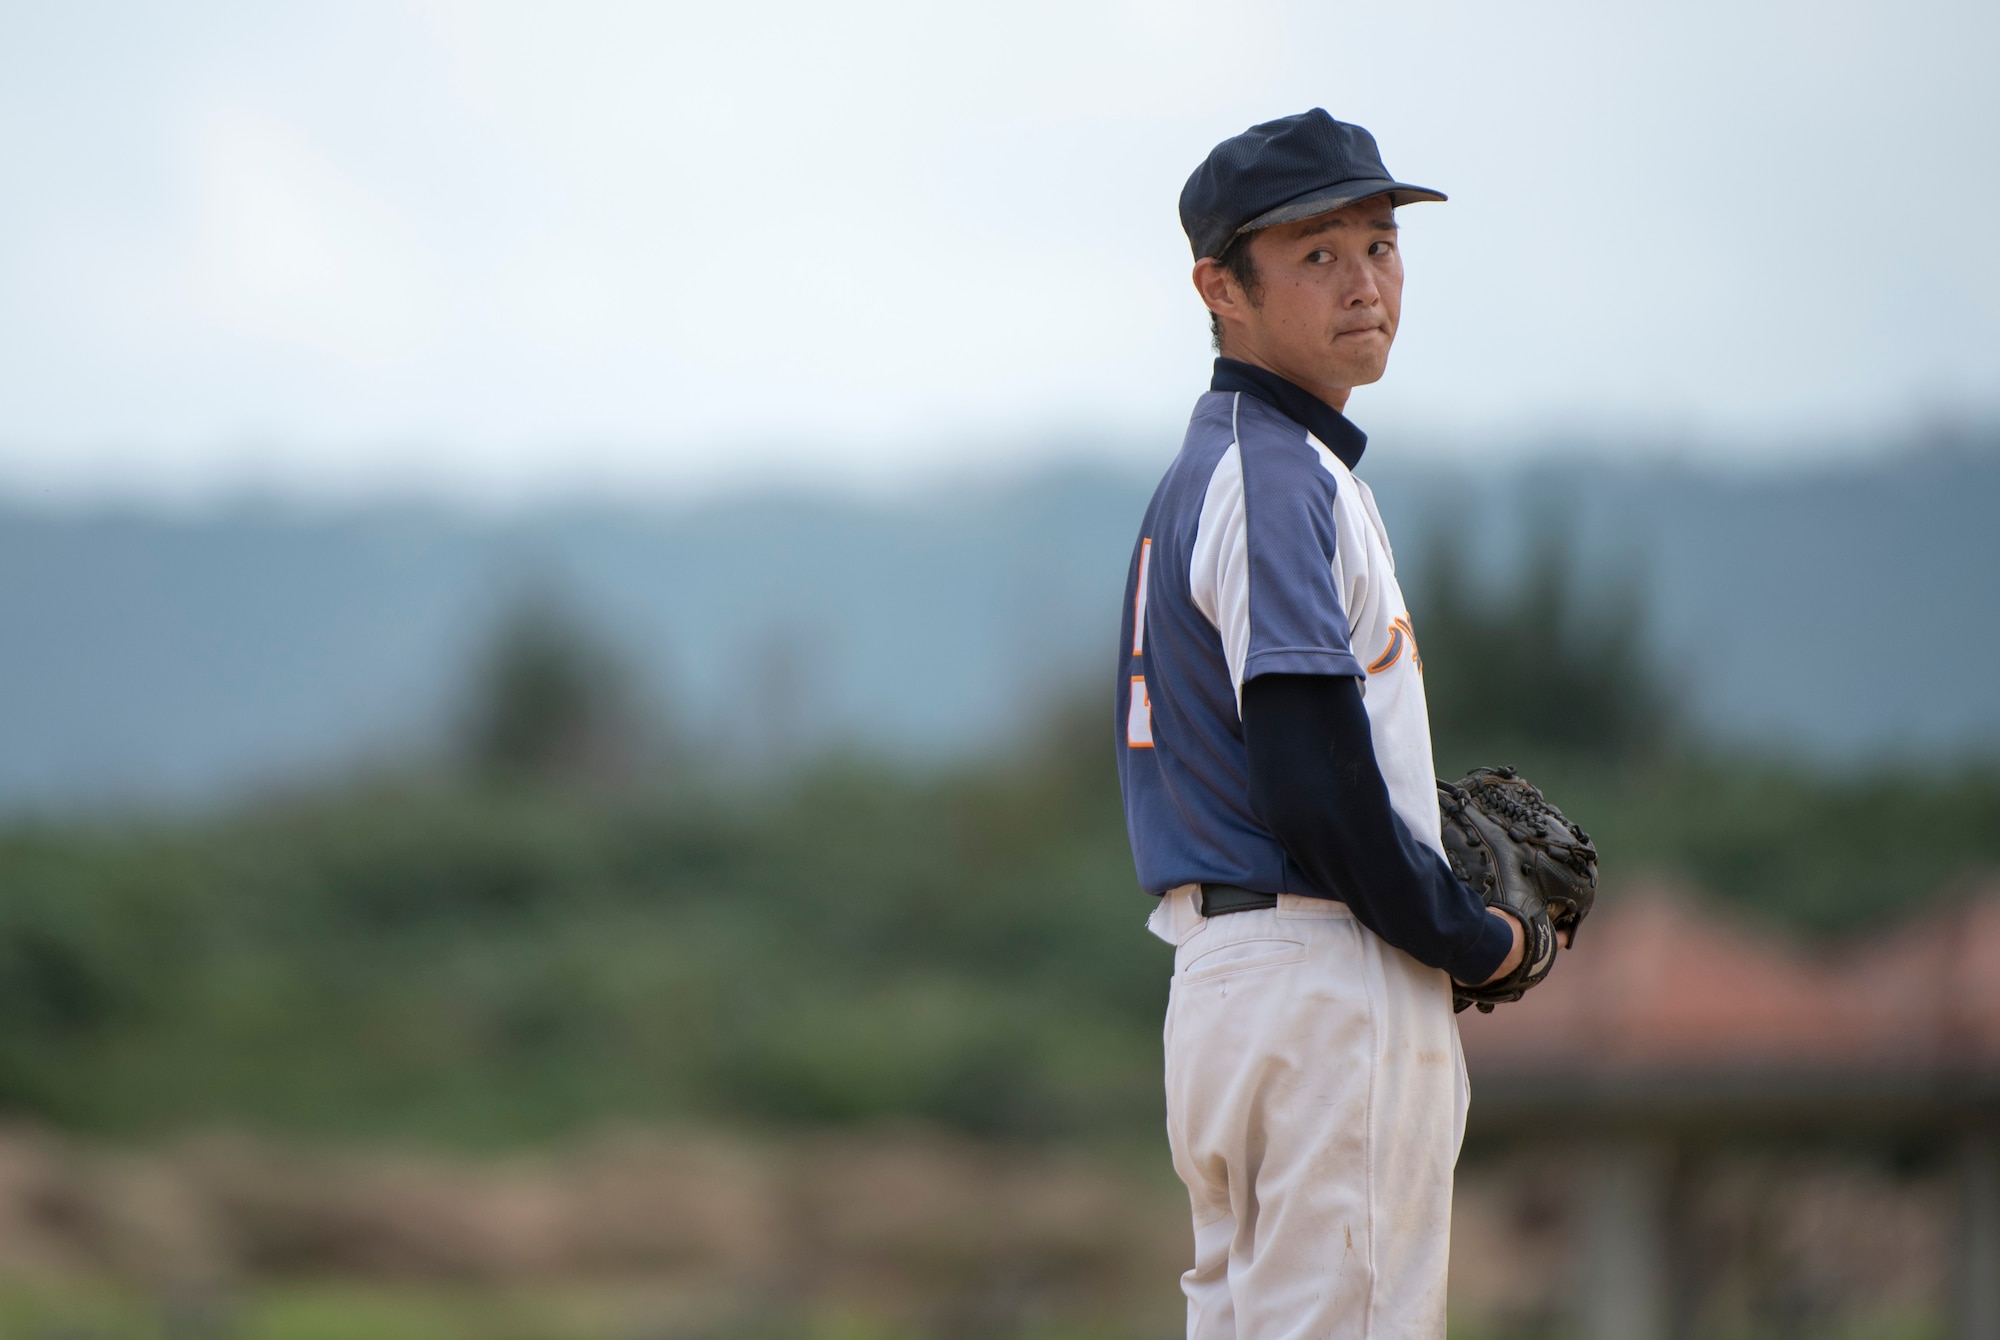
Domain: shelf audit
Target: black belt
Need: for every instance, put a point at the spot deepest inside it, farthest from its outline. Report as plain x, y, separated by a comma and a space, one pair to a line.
1219, 900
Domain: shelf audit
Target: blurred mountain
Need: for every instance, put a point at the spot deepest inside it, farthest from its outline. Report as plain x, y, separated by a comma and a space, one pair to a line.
1838, 613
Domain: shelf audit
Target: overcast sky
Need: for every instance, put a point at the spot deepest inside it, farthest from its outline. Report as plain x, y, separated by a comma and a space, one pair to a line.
496, 248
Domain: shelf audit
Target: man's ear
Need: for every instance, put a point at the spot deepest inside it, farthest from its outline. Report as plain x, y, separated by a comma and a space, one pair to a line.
1218, 288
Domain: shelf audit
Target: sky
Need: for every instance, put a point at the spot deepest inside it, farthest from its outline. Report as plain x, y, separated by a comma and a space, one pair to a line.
499, 250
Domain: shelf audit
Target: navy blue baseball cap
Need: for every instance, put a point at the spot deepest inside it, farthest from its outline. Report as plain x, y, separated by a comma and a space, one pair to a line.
1291, 168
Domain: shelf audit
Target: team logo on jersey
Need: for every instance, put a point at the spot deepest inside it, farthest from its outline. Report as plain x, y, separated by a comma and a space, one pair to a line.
1401, 636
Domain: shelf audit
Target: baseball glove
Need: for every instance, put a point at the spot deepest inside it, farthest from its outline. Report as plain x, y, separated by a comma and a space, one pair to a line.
1519, 854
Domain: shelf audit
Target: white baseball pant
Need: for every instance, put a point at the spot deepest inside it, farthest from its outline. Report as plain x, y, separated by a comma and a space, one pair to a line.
1316, 1100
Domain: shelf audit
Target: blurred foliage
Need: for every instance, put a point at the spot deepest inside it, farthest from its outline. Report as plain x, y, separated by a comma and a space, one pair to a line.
485, 961
501, 954
550, 700
1541, 663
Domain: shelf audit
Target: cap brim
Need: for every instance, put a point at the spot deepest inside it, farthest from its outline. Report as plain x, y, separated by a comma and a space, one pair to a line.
1328, 199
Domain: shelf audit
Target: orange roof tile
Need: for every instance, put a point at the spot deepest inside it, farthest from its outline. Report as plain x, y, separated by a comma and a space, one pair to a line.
1658, 984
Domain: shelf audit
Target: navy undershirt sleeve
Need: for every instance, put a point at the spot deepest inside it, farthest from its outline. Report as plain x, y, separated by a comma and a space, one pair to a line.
1315, 784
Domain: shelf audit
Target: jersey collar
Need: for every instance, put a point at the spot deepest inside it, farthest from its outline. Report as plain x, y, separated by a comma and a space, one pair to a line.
1296, 403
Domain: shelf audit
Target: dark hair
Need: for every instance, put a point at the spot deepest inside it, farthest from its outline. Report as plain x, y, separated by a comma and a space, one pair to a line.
1236, 259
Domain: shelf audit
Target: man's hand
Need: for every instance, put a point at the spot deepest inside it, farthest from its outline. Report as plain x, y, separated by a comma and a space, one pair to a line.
1513, 959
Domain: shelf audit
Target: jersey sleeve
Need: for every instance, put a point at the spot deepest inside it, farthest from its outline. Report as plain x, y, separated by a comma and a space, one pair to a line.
1266, 565
1316, 784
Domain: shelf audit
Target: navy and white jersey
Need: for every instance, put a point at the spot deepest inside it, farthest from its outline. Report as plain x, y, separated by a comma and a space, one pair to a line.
1260, 554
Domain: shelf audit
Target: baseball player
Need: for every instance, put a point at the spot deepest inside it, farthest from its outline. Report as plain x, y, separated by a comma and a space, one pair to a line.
1275, 757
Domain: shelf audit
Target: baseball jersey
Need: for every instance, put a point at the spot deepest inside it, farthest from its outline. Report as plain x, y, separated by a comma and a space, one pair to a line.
1261, 553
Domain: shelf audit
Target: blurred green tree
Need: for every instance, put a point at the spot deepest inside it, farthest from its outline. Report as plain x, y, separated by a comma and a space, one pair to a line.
1539, 665
551, 701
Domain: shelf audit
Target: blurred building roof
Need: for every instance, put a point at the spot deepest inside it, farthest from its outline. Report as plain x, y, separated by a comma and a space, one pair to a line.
1672, 1010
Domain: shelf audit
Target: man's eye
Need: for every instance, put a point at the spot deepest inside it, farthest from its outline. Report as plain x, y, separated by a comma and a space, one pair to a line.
1379, 249
1319, 257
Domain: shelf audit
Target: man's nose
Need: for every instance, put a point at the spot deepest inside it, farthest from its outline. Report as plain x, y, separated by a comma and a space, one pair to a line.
1361, 289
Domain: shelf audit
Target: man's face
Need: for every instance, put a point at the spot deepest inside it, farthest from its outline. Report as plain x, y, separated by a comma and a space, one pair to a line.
1329, 294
